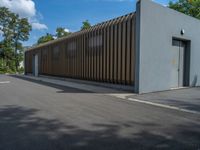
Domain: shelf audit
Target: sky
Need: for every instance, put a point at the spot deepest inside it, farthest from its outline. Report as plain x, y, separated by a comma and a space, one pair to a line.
46, 15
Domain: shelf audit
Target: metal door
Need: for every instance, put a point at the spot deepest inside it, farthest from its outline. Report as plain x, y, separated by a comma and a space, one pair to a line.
36, 65
177, 64
181, 64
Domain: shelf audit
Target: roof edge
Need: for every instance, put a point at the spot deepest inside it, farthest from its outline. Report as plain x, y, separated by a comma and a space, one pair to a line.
78, 32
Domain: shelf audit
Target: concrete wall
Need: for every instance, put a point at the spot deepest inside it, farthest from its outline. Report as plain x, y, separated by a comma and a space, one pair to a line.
156, 27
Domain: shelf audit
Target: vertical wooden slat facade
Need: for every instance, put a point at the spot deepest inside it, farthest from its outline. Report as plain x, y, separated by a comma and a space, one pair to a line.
103, 53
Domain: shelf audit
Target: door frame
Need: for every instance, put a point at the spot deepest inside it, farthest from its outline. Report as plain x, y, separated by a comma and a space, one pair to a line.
187, 58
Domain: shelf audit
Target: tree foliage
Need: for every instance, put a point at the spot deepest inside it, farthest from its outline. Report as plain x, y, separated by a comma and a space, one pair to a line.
188, 7
86, 25
61, 32
15, 30
46, 38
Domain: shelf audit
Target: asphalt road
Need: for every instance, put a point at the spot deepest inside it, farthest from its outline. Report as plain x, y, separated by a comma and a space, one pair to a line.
40, 116
188, 98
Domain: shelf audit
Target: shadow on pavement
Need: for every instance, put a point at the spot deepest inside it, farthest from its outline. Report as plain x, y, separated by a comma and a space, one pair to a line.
62, 89
65, 89
22, 129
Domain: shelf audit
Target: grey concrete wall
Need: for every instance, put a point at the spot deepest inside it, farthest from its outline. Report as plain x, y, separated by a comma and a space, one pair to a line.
157, 26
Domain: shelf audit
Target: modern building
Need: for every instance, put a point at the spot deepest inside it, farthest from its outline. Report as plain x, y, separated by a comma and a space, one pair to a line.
152, 49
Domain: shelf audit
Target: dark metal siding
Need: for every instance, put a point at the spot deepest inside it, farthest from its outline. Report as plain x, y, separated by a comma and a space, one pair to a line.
104, 53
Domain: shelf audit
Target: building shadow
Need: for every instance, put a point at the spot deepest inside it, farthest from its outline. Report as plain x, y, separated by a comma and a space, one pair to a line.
62, 89
65, 89
22, 129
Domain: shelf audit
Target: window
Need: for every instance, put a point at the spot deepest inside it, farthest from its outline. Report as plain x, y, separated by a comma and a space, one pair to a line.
71, 48
95, 41
56, 53
44, 55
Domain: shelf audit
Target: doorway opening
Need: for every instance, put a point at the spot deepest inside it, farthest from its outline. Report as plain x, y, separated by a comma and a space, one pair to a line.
35, 65
180, 72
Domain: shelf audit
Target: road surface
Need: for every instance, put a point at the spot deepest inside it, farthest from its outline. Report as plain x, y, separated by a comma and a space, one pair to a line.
40, 116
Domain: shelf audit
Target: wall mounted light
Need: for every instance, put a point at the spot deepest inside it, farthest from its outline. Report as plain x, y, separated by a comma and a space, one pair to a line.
182, 31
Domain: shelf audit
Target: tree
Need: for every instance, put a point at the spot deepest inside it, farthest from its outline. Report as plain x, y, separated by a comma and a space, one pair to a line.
15, 31
5, 44
46, 38
20, 29
5, 20
7, 55
61, 32
188, 7
86, 25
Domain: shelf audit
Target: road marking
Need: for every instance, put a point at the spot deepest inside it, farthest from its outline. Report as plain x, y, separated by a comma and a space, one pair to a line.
4, 82
125, 97
163, 106
122, 96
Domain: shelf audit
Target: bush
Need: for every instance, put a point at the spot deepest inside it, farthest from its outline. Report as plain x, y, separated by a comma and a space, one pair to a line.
21, 70
4, 70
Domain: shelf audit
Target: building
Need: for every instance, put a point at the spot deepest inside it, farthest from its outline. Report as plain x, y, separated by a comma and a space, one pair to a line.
152, 49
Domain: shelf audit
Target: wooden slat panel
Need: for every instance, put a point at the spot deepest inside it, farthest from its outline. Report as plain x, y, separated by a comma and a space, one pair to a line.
97, 55
104, 55
77, 58
108, 54
74, 57
67, 58
70, 60
92, 56
133, 50
94, 49
119, 53
101, 56
82, 56
128, 54
123, 52
63, 60
111, 54
87, 57
115, 53
50, 60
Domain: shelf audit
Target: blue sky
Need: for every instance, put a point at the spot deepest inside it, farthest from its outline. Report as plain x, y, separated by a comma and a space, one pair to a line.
46, 15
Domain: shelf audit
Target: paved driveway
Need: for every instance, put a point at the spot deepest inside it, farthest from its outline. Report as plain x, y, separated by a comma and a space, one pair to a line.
187, 99
40, 116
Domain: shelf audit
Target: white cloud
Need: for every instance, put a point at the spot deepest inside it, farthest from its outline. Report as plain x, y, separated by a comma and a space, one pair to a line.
39, 26
54, 37
25, 8
67, 30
